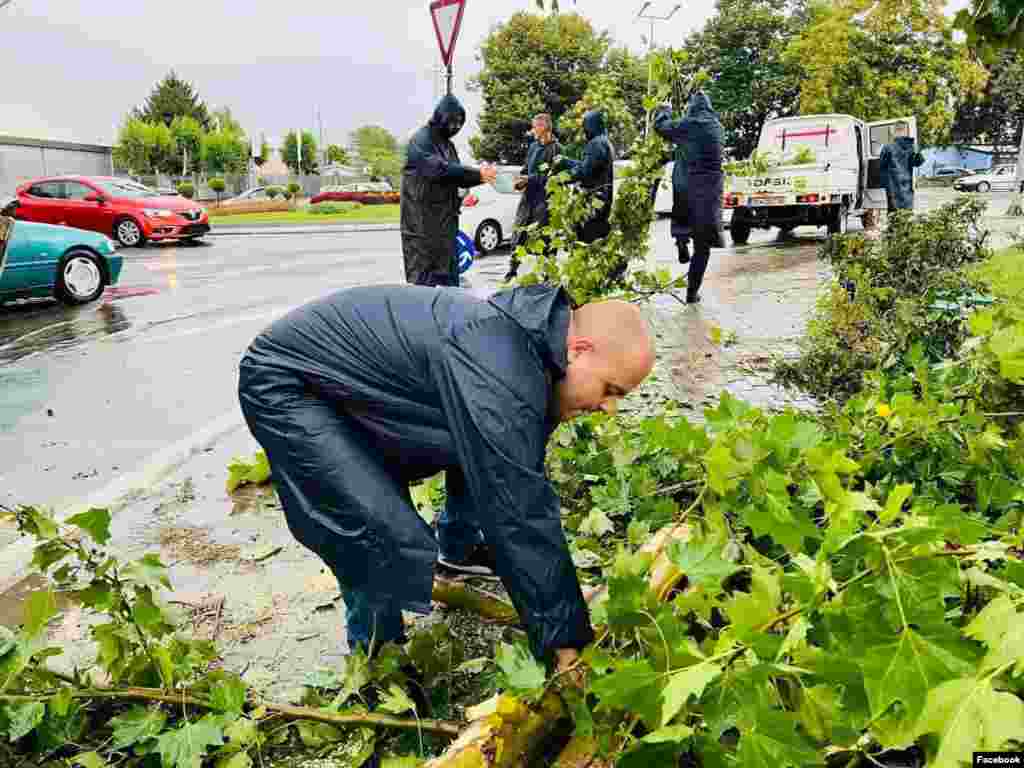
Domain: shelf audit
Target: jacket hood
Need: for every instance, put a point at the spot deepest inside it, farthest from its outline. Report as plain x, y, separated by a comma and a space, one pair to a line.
904, 142
543, 312
700, 107
593, 124
449, 116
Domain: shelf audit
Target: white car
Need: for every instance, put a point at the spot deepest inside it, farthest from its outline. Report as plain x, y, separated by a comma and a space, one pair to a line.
1001, 178
254, 195
489, 215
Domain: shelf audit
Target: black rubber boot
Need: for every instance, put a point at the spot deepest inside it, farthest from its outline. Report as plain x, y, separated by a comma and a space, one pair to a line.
684, 251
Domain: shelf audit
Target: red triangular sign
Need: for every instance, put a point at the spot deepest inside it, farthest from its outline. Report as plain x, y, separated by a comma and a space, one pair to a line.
447, 16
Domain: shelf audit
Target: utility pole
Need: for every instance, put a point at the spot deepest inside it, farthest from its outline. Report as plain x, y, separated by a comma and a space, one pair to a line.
642, 14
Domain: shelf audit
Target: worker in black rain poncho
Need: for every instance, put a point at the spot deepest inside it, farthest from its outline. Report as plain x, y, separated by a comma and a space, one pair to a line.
700, 133
596, 173
430, 200
358, 394
897, 162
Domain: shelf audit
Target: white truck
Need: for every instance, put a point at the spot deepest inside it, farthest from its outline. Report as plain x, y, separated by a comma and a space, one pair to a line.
821, 169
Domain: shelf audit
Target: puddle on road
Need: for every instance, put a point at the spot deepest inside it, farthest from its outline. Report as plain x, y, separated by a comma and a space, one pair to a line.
57, 330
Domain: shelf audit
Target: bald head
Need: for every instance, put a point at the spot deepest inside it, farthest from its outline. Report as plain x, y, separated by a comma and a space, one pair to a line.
610, 353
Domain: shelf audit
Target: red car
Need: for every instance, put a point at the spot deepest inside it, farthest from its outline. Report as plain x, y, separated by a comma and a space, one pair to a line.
126, 210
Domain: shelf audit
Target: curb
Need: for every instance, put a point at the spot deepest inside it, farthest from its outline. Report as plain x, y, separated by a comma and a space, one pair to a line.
15, 557
279, 229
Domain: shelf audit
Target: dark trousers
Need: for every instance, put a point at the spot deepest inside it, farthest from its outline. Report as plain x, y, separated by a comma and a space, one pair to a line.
698, 265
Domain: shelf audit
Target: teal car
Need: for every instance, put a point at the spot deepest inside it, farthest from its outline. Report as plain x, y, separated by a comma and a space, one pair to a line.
41, 260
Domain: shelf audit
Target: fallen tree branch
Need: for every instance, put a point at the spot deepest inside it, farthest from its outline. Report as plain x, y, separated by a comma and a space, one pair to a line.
285, 711
455, 594
506, 732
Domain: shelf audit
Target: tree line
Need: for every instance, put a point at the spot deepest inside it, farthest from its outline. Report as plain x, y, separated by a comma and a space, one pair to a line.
759, 59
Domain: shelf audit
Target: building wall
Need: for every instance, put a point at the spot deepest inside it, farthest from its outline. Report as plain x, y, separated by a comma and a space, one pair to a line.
24, 159
960, 157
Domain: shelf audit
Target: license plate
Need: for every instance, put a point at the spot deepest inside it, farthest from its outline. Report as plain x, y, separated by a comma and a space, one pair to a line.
769, 200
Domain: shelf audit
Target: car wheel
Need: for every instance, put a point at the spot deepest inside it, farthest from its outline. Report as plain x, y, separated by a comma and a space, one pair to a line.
740, 232
488, 236
80, 278
984, 186
129, 234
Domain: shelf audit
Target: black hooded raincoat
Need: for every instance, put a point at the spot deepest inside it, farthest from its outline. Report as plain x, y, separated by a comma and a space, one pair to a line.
897, 162
595, 172
699, 134
357, 394
430, 202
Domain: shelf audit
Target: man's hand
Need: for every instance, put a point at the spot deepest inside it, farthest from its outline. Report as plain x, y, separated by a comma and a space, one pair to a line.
569, 669
489, 174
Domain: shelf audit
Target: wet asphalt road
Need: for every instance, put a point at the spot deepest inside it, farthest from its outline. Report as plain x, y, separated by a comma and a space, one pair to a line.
89, 393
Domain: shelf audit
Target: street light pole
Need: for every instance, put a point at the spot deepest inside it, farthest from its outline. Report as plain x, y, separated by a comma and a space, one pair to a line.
4, 3
642, 14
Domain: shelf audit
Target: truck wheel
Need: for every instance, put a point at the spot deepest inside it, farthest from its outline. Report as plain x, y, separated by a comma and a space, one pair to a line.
839, 224
740, 232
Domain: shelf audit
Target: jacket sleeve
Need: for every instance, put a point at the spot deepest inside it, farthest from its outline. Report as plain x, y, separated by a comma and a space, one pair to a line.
675, 131
429, 163
595, 158
495, 393
917, 161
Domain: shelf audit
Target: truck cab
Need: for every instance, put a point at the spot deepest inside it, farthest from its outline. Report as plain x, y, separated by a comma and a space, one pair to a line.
815, 170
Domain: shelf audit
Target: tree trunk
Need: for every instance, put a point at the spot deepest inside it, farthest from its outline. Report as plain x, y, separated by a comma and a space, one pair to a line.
506, 733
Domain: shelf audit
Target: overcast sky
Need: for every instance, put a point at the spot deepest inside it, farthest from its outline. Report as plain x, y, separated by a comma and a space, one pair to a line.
71, 69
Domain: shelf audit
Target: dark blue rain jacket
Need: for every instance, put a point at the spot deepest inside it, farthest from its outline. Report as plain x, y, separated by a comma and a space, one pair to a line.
430, 201
371, 387
596, 172
897, 162
700, 134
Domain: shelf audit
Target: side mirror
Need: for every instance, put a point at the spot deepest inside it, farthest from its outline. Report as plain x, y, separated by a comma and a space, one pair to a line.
95, 197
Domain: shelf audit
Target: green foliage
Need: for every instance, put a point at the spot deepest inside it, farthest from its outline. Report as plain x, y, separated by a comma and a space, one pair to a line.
187, 189
603, 93
993, 25
144, 148
877, 59
218, 186
241, 471
263, 156
890, 295
224, 152
741, 47
532, 64
188, 140
290, 153
273, 192
294, 189
333, 209
378, 149
337, 154
173, 97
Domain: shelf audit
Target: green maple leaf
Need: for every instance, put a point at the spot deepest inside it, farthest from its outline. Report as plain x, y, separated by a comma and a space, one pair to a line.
237, 760
701, 561
774, 743
317, 735
597, 523
1000, 626
89, 760
969, 716
894, 504
396, 701
186, 747
906, 670
520, 673
750, 611
724, 471
686, 683
23, 719
40, 608
148, 571
634, 686
95, 522
136, 726
227, 692
244, 471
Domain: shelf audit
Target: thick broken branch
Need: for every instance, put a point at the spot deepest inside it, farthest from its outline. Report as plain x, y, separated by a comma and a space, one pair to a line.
505, 732
458, 595
285, 711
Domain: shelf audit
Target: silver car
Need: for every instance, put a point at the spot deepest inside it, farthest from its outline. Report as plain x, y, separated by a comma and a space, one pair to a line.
1002, 178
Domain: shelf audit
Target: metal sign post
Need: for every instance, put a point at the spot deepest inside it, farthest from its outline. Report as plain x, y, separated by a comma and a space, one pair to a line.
447, 18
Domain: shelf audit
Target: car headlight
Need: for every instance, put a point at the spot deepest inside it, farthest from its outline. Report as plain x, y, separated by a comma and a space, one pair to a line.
158, 213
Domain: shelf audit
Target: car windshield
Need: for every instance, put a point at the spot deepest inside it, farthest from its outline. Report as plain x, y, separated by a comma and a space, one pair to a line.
125, 189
